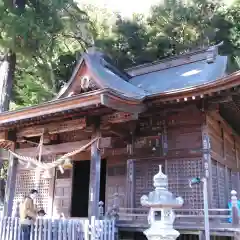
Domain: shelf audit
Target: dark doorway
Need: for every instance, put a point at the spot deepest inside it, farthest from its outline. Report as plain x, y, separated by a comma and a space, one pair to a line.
80, 187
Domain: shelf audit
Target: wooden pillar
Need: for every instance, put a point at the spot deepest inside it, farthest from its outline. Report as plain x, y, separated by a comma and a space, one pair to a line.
207, 162
51, 192
227, 187
130, 183
94, 184
10, 186
218, 184
164, 140
11, 177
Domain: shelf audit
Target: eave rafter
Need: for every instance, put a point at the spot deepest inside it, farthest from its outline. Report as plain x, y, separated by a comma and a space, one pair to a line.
222, 87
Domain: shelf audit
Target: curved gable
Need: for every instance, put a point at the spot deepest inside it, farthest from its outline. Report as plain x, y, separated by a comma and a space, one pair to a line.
93, 72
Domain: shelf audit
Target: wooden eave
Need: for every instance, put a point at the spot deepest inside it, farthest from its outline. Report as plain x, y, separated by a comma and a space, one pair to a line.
201, 91
93, 99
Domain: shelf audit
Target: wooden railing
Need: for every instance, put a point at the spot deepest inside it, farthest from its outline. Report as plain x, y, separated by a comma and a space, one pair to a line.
184, 217
56, 229
192, 218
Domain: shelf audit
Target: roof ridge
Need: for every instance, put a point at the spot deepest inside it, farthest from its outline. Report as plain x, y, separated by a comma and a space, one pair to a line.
210, 50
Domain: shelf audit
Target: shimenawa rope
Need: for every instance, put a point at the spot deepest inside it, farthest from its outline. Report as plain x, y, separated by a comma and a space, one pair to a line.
47, 166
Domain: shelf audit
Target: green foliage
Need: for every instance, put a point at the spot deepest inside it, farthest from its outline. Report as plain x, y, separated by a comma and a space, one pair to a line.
48, 35
174, 27
128, 41
40, 32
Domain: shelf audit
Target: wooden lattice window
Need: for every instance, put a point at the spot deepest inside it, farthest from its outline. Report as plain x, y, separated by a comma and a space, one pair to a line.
144, 172
31, 179
179, 172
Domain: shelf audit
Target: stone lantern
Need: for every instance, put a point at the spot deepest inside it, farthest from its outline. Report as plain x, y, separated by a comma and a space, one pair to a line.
161, 215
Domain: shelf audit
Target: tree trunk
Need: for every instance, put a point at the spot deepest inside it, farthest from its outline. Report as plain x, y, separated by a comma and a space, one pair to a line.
7, 69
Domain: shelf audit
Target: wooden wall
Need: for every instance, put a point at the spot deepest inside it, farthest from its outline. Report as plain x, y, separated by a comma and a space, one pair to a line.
225, 147
62, 193
175, 142
116, 182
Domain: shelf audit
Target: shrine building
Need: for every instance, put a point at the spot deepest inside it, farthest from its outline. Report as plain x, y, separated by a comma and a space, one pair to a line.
107, 131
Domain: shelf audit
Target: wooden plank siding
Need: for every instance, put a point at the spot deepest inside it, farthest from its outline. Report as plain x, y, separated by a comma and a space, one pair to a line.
224, 160
116, 183
175, 140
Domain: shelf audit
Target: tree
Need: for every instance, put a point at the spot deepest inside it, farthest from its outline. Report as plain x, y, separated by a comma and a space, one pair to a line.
126, 42
46, 49
172, 28
38, 32
33, 34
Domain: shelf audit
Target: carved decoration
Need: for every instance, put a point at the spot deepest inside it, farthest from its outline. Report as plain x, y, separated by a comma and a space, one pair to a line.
88, 84
119, 117
52, 128
84, 82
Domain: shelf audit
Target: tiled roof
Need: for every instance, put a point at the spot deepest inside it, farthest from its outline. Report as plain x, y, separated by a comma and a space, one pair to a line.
108, 77
204, 67
182, 77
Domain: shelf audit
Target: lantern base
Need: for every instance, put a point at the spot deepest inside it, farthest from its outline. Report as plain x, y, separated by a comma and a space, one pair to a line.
158, 231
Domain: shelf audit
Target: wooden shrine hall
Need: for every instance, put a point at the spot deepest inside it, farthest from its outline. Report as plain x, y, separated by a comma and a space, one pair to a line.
107, 131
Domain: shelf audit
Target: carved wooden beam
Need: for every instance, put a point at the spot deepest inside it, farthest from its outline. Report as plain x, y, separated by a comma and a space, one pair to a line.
52, 128
62, 147
119, 117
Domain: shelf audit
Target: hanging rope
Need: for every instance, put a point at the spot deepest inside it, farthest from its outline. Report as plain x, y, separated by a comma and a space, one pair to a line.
48, 166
